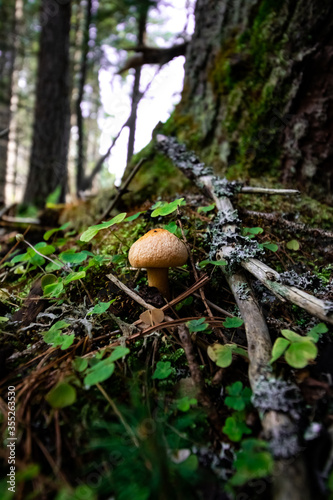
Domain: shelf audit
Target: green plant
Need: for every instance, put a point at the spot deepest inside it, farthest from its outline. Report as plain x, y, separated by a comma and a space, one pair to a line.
163, 370
93, 230
162, 208
235, 426
298, 350
57, 338
197, 325
253, 460
222, 354
238, 396
102, 369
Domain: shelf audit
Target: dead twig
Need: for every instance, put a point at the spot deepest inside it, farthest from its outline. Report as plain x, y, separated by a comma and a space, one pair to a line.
198, 380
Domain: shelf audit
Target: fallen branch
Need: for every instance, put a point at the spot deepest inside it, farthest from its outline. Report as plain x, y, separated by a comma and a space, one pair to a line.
262, 190
278, 426
322, 309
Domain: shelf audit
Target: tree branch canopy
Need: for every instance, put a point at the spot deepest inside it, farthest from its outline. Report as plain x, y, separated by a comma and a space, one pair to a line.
153, 55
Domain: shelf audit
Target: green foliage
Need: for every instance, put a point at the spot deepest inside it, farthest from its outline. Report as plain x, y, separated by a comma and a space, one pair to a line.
82, 492
49, 233
197, 325
74, 277
233, 322
101, 307
185, 403
99, 372
48, 279
298, 350
238, 397
251, 231
270, 246
222, 354
102, 369
293, 245
80, 364
163, 370
33, 258
93, 230
61, 396
206, 209
163, 208
54, 289
235, 427
56, 338
205, 263
252, 461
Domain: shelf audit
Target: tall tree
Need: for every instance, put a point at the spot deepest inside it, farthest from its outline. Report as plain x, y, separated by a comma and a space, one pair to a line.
80, 163
136, 95
258, 91
48, 161
7, 57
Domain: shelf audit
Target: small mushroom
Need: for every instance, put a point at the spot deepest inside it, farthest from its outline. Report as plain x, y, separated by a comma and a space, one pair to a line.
158, 250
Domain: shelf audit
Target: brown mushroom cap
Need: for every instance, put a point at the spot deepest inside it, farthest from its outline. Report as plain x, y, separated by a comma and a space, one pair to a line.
158, 248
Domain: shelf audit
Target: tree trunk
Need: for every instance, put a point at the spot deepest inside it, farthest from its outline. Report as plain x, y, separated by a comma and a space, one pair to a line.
136, 95
80, 162
7, 57
258, 91
48, 161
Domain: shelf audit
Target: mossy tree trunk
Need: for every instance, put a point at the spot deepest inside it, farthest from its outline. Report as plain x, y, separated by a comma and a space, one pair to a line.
258, 91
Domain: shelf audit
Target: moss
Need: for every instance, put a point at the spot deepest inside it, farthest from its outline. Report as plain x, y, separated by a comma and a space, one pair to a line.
157, 177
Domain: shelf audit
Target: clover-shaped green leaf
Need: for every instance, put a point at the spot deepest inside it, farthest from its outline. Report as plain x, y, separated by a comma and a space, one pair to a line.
185, 403
235, 428
197, 325
232, 322
238, 397
163, 370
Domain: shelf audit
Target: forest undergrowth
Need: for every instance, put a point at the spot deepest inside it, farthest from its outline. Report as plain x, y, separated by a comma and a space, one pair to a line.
123, 394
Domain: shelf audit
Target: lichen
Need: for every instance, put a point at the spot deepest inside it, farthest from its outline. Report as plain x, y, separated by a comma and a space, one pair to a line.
305, 281
240, 248
278, 395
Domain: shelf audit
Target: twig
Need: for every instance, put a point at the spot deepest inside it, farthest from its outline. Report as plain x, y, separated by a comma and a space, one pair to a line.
198, 380
218, 331
130, 292
292, 226
261, 190
13, 248
119, 415
271, 279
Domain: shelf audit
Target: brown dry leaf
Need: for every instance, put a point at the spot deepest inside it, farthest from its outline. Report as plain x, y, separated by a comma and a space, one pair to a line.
152, 317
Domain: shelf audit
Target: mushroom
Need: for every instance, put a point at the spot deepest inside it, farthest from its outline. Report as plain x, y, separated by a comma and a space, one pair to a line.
158, 250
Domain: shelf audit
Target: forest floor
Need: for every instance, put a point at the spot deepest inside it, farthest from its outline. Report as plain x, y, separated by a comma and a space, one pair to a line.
113, 401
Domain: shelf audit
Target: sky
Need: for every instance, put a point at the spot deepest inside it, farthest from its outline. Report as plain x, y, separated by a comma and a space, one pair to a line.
160, 99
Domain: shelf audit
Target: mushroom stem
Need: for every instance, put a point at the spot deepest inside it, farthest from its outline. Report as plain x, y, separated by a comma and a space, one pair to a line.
158, 277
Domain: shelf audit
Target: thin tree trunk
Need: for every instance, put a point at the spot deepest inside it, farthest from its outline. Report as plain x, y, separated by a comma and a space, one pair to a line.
80, 162
8, 45
136, 96
48, 161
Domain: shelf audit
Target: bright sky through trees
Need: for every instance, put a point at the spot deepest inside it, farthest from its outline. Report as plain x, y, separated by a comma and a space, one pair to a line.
160, 98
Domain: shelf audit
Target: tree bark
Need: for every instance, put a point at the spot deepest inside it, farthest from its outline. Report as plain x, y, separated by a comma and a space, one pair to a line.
7, 58
80, 162
258, 91
136, 95
48, 161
